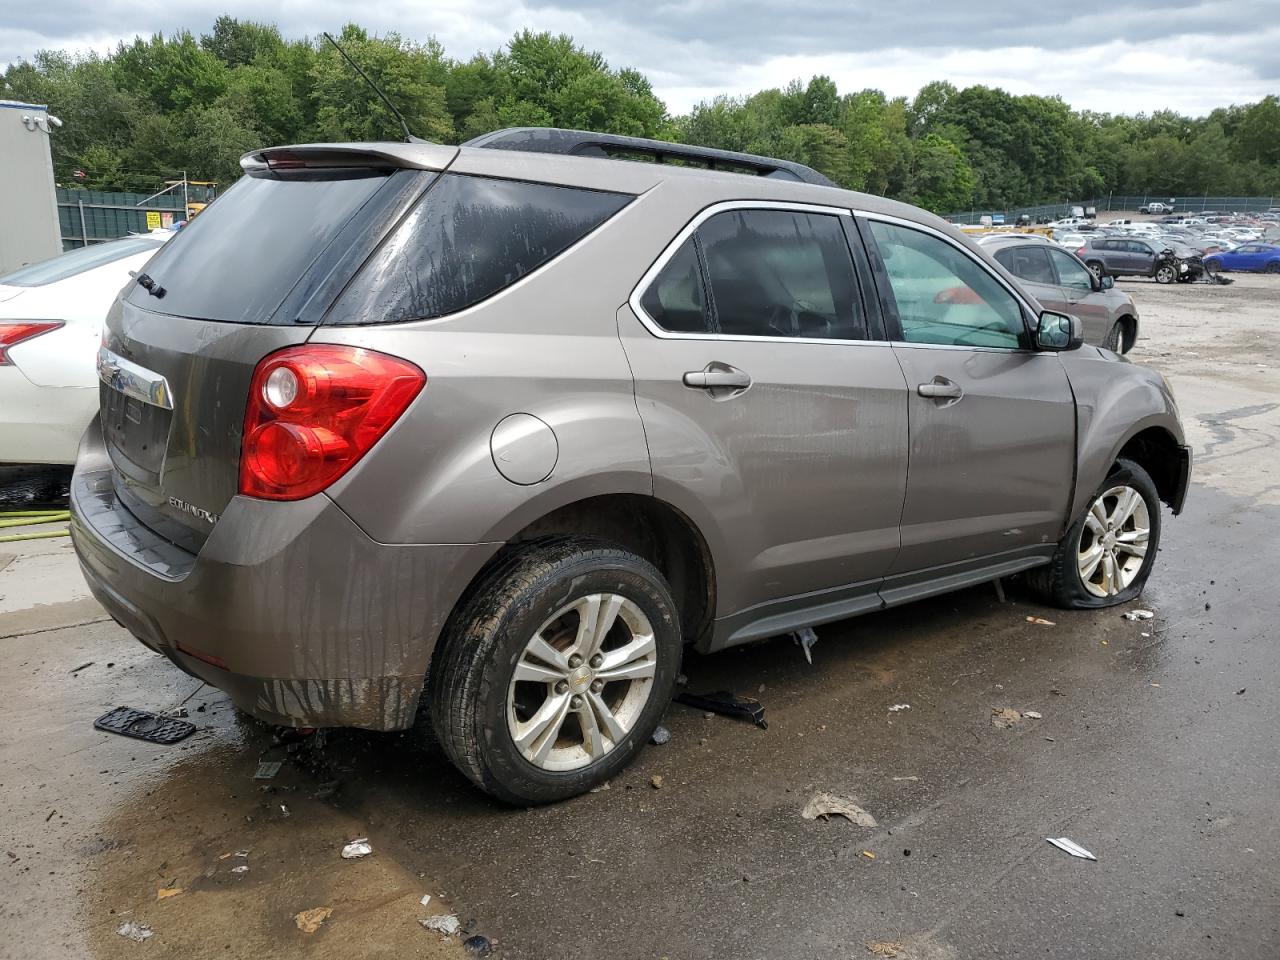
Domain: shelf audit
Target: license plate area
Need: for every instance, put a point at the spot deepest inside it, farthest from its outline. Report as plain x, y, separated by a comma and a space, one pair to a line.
136, 433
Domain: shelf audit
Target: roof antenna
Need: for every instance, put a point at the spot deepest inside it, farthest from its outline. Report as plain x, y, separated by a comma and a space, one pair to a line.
408, 137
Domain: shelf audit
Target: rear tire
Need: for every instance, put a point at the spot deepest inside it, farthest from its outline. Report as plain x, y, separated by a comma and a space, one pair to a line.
1165, 274
1096, 268
493, 682
1213, 266
1272, 268
1113, 528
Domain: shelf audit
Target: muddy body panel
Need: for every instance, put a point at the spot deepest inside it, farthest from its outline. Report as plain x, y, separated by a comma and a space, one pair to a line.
290, 608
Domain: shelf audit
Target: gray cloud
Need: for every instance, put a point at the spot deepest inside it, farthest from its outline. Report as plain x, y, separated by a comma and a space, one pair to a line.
1189, 55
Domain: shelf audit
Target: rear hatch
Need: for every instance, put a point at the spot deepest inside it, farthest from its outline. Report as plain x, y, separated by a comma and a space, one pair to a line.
252, 274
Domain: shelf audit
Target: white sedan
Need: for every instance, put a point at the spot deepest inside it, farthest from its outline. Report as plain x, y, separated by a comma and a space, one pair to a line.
51, 316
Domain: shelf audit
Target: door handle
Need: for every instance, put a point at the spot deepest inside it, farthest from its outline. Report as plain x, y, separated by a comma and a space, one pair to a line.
940, 388
712, 378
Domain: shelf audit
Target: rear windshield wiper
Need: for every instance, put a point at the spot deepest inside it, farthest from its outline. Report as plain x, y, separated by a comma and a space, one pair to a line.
147, 283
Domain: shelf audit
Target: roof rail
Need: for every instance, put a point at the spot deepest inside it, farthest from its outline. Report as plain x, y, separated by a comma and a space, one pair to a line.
583, 143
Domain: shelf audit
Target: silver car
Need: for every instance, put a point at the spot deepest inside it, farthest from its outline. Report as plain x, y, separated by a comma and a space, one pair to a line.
1060, 281
474, 440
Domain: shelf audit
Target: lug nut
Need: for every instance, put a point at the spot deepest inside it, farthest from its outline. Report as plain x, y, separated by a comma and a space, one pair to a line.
576, 703
575, 662
596, 661
597, 686
562, 686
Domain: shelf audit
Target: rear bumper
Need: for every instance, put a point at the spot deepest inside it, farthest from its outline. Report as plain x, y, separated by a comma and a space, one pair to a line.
289, 608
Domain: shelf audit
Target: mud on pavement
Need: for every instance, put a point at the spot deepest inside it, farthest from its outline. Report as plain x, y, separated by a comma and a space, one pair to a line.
1149, 742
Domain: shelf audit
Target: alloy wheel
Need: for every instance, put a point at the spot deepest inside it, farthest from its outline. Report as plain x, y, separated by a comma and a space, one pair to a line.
582, 682
1113, 541
1165, 275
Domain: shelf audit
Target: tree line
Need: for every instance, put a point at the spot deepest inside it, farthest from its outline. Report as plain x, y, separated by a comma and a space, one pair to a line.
158, 106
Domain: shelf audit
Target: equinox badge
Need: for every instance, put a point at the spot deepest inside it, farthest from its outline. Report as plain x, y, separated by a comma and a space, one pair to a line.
200, 513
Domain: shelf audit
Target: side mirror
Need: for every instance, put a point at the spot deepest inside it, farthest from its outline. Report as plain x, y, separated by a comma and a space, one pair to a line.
1057, 331
1107, 282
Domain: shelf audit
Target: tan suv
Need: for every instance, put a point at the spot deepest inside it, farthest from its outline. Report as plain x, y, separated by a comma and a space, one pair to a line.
478, 438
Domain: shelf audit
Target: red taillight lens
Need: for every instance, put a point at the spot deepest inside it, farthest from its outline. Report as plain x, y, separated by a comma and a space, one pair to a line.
1082, 251
314, 411
14, 333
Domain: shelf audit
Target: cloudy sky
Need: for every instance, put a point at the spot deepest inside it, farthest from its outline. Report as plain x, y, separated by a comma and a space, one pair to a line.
1120, 57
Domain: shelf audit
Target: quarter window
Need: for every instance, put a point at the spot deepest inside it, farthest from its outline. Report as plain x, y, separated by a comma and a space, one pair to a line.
943, 296
466, 239
675, 300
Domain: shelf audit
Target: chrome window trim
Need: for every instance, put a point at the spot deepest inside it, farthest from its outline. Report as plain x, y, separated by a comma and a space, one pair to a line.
703, 215
133, 380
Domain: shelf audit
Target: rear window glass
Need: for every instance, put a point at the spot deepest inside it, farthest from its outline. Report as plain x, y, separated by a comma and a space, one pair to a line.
236, 260
466, 239
79, 261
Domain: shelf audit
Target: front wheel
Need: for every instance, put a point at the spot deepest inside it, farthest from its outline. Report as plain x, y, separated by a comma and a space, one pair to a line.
556, 670
1166, 274
1107, 555
1115, 337
1213, 266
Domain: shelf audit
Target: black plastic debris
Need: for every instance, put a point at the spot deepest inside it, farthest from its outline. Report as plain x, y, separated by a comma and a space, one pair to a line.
477, 946
141, 725
727, 704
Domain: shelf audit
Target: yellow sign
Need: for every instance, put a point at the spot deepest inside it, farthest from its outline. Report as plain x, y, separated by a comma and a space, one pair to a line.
153, 219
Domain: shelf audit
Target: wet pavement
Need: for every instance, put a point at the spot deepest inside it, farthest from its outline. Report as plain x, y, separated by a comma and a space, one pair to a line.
1156, 750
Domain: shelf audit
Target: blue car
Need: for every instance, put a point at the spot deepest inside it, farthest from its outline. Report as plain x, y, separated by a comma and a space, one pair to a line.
1247, 256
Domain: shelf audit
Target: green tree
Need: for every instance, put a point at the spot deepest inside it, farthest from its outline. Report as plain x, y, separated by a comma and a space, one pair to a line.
347, 108
941, 178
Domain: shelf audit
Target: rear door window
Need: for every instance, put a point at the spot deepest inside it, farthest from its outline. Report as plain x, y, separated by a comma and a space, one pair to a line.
782, 273
466, 239
1028, 262
238, 258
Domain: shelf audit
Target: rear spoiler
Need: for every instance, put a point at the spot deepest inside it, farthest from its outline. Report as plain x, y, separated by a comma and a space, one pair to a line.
347, 157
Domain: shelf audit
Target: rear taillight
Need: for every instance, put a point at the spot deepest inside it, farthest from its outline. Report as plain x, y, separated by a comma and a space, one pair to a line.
15, 332
314, 411
1082, 251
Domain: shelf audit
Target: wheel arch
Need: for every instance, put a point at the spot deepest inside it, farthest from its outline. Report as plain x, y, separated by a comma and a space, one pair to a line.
1157, 451
1129, 331
644, 524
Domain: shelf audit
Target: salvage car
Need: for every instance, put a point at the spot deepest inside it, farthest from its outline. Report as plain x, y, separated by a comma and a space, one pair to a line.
1263, 257
51, 317
1061, 282
1166, 261
473, 440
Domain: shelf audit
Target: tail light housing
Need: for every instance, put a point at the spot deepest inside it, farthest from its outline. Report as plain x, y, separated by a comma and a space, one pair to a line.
314, 411
1082, 251
15, 332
